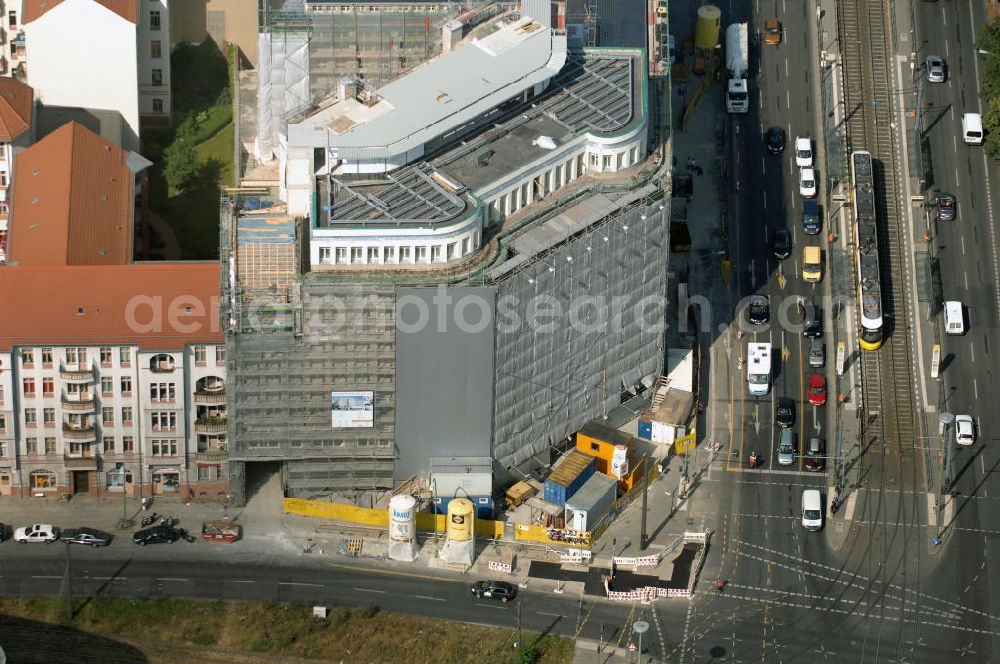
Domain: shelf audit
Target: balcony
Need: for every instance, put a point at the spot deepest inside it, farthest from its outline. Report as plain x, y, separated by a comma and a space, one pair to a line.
86, 461
212, 454
20, 71
78, 374
79, 403
161, 364
211, 424
210, 397
80, 433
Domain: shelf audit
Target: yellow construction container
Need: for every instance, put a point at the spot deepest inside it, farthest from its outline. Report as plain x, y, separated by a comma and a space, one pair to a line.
519, 493
461, 520
706, 33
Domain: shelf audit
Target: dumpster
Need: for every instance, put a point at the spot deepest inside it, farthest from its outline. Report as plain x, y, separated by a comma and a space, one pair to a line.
220, 531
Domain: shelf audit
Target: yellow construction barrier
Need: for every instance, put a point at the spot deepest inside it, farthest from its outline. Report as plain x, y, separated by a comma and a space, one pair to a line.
380, 518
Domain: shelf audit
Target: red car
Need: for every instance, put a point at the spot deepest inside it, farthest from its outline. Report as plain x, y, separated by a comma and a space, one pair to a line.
817, 390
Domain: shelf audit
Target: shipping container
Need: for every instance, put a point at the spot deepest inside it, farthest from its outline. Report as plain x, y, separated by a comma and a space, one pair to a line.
568, 475
591, 501
518, 493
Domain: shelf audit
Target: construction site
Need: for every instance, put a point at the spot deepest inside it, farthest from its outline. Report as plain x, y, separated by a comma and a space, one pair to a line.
336, 386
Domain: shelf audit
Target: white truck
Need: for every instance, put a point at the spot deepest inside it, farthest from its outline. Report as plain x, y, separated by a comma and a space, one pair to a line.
738, 68
759, 369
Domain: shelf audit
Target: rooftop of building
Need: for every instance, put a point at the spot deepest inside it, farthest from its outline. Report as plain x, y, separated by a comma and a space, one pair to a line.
73, 201
34, 9
438, 96
16, 99
157, 306
109, 125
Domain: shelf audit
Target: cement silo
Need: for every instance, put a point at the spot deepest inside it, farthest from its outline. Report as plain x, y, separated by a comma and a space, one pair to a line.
460, 545
706, 33
403, 528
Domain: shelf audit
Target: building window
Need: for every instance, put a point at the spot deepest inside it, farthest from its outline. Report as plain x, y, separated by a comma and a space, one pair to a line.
356, 254
199, 355
28, 357
108, 416
127, 416
126, 386
48, 387
154, 20
107, 386
404, 254
164, 421
105, 356
117, 479
70, 356
12, 20
389, 254
373, 254
1, 394
3, 423
155, 48
157, 105
31, 446
128, 444
162, 392
49, 416
340, 254
595, 160
50, 445
607, 161
164, 447
107, 444
30, 417
208, 473
324, 255
42, 479
157, 77
29, 387
220, 356
421, 255
125, 357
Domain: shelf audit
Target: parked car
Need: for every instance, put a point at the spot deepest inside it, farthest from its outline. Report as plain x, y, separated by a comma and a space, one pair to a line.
772, 32
156, 535
817, 390
781, 242
803, 152
39, 532
500, 590
946, 206
811, 223
807, 183
759, 310
815, 454
935, 69
784, 414
775, 140
86, 536
965, 430
817, 354
786, 447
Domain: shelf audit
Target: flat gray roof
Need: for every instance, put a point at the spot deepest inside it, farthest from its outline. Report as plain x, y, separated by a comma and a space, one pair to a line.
438, 96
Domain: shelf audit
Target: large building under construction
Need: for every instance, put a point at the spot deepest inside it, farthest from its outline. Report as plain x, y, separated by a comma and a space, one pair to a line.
457, 262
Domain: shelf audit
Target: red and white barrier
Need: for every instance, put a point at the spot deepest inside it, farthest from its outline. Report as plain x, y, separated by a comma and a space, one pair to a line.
500, 566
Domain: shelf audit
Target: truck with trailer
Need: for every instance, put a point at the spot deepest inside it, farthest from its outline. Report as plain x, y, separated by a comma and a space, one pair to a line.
738, 68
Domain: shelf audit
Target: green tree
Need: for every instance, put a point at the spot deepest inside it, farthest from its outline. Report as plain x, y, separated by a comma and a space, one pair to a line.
988, 42
991, 124
181, 167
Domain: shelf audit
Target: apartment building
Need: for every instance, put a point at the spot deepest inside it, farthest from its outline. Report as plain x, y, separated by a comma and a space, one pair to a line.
16, 110
101, 54
112, 378
12, 51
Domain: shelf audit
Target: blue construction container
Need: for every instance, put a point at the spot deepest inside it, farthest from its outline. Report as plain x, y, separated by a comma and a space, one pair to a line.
568, 475
645, 429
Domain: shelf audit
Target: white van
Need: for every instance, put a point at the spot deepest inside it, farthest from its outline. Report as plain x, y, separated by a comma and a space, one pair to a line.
812, 510
954, 321
972, 129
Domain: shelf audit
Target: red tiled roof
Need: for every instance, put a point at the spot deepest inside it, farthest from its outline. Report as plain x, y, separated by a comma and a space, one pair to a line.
15, 108
73, 200
141, 303
127, 9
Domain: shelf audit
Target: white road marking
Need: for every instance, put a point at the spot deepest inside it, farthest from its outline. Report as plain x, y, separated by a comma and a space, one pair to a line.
972, 352
167, 578
44, 576
975, 388
962, 240
298, 583
239, 581
965, 275
982, 462
546, 613
370, 590
433, 599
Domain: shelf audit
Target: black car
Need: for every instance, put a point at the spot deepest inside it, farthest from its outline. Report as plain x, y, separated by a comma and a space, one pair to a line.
155, 535
814, 322
945, 206
781, 243
86, 536
784, 414
810, 217
500, 590
775, 140
759, 310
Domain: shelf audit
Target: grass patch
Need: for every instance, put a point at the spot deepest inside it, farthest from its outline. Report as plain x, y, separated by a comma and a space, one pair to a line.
364, 634
220, 149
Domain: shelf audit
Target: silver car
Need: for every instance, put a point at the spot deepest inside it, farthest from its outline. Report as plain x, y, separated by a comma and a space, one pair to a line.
786, 448
817, 354
935, 69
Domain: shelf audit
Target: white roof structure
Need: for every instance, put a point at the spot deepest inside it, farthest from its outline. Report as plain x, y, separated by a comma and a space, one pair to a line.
438, 96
